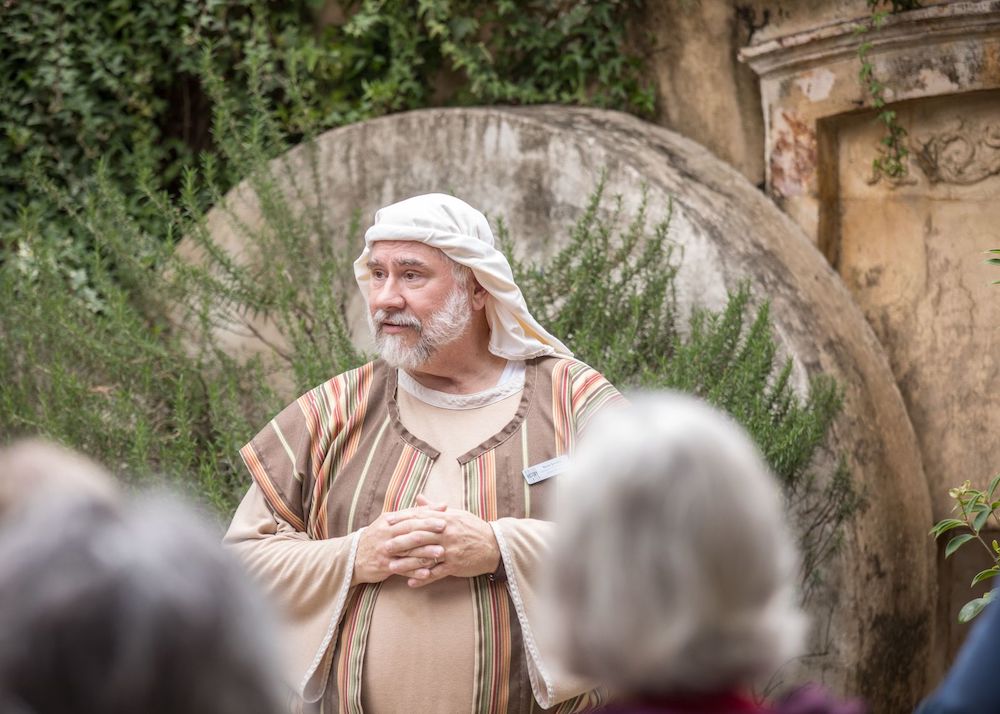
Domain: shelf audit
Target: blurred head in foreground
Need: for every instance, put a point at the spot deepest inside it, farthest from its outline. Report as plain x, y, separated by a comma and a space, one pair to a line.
35, 470
112, 607
674, 571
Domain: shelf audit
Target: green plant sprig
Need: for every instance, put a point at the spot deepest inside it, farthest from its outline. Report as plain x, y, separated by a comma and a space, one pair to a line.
974, 508
892, 152
993, 261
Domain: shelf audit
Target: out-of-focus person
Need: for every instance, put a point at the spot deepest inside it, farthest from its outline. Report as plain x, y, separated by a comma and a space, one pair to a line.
115, 606
673, 572
971, 685
37, 470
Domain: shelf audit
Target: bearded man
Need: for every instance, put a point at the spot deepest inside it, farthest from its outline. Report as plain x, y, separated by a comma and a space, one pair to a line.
399, 512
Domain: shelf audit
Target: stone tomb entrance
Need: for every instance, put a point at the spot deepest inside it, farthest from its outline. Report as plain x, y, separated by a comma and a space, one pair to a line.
536, 169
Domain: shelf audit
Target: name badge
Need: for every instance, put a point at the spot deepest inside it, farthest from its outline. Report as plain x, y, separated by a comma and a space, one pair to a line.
546, 469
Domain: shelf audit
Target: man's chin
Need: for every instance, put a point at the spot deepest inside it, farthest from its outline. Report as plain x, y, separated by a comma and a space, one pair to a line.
395, 352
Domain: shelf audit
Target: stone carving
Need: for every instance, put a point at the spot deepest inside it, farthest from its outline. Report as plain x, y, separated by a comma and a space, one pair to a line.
959, 154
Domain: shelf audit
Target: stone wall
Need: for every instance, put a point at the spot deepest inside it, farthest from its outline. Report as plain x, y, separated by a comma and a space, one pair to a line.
536, 169
909, 250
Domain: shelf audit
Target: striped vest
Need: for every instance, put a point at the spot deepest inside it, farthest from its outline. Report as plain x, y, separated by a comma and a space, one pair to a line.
355, 460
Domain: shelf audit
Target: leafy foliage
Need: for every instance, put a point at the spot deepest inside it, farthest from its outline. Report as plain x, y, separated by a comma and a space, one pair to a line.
132, 366
974, 508
120, 350
84, 80
114, 381
892, 152
994, 261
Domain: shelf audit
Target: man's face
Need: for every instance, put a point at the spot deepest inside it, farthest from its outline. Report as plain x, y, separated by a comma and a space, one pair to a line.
415, 302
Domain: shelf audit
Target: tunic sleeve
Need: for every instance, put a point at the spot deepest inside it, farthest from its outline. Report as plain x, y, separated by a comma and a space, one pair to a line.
308, 579
524, 548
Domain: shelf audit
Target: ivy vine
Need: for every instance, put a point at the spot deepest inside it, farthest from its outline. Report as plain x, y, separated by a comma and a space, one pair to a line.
892, 151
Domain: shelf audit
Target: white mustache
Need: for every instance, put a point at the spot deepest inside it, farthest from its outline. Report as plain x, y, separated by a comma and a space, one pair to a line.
400, 319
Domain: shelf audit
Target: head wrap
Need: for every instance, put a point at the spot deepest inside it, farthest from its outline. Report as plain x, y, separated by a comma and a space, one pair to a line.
463, 234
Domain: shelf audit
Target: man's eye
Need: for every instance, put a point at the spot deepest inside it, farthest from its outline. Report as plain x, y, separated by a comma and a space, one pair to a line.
410, 276
378, 274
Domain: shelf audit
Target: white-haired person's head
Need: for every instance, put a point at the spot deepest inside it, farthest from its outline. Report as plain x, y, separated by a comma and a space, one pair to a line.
674, 571
38, 470
112, 610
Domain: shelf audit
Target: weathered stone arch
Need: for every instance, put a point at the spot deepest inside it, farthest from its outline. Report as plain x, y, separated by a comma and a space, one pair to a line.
536, 167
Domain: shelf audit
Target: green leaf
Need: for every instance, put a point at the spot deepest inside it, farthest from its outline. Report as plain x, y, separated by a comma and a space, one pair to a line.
980, 520
984, 574
974, 607
956, 543
945, 525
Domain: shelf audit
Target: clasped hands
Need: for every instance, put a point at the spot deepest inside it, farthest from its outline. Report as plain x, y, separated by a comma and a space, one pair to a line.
425, 544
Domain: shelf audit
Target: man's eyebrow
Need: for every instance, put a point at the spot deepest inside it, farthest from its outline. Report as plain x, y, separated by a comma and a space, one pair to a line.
399, 262
409, 262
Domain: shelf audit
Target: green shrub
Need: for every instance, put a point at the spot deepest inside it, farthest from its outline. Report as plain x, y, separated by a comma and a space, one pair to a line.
610, 294
106, 374
130, 366
117, 349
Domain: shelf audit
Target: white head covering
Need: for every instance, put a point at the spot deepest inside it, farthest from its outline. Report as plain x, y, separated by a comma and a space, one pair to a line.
463, 234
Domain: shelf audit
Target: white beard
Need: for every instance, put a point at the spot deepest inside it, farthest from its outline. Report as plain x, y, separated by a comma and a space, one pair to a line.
443, 327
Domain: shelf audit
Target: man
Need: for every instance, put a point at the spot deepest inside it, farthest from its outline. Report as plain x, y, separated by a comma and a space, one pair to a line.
399, 511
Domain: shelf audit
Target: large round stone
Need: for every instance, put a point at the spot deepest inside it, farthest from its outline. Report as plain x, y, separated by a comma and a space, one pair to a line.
536, 168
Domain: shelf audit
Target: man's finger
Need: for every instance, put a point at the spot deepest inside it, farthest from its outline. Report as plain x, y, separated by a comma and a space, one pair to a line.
424, 551
422, 500
432, 525
395, 547
408, 565
403, 514
425, 576
409, 513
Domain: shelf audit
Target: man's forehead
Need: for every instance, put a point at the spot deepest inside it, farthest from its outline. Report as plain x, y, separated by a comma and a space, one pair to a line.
408, 251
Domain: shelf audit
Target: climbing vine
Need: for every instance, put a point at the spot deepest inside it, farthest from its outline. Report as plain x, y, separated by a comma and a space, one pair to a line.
892, 151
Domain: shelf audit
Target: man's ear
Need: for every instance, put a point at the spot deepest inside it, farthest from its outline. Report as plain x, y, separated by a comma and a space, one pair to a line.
479, 295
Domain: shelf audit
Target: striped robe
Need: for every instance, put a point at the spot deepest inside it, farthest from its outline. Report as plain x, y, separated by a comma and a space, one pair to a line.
338, 457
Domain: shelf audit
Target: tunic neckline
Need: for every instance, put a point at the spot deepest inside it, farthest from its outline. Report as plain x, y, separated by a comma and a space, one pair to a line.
530, 369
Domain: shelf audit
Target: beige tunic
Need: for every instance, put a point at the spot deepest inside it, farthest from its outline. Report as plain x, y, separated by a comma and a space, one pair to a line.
419, 634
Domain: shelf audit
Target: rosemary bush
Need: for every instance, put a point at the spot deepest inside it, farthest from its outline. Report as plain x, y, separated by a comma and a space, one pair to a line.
610, 294
130, 364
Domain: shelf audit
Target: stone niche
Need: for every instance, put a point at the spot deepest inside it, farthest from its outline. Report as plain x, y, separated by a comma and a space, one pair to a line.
536, 169
911, 250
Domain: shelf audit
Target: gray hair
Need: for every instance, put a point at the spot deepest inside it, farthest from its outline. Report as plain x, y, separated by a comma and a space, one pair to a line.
673, 568
108, 610
462, 273
35, 470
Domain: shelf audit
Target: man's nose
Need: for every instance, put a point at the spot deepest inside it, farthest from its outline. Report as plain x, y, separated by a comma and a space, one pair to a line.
387, 296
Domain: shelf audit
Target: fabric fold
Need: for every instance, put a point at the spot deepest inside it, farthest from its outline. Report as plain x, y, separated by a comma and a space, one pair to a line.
308, 579
524, 547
